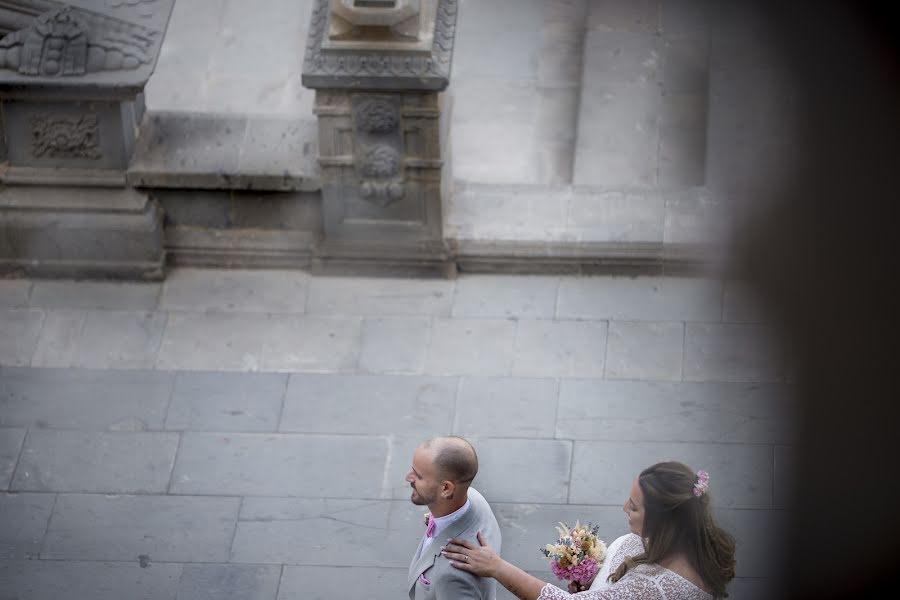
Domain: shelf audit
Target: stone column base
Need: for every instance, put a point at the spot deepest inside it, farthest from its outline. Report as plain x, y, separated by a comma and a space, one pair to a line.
423, 259
80, 233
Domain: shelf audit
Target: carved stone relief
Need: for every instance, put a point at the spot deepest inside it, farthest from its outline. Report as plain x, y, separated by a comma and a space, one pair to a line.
378, 147
70, 41
65, 136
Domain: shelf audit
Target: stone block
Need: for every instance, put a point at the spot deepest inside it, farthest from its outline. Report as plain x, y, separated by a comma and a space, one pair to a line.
212, 401
235, 290
676, 412
369, 404
162, 528
624, 15
506, 407
195, 208
87, 580
10, 445
528, 527
280, 465
379, 296
613, 216
86, 400
494, 125
640, 299
504, 463
618, 135
505, 296
394, 344
213, 342
312, 344
685, 64
741, 474
559, 348
94, 295
695, 216
219, 582
725, 352
98, 462
399, 464
325, 523
277, 148
19, 331
287, 211
119, 340
317, 582
14, 293
23, 524
58, 345
644, 350
685, 17
518, 61
619, 57
682, 139
470, 347
519, 213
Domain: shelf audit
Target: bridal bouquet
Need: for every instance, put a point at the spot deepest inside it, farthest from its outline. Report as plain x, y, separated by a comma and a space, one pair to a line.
577, 554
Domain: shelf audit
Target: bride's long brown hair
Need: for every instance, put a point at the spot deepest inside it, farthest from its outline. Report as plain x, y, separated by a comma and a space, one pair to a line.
677, 521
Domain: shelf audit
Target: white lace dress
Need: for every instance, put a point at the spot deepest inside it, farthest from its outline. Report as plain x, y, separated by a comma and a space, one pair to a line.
643, 582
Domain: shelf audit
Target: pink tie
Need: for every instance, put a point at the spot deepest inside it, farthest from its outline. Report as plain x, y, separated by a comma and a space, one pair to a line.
430, 531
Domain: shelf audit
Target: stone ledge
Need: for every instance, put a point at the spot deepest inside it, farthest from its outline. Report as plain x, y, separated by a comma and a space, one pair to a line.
202, 151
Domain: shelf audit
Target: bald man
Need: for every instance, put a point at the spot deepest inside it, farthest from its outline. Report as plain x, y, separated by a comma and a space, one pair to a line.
442, 470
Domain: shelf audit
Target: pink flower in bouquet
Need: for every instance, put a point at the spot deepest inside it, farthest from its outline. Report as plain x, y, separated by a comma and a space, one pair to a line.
578, 553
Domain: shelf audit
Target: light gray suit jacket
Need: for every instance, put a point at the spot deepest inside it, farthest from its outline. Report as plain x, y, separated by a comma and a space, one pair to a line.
446, 582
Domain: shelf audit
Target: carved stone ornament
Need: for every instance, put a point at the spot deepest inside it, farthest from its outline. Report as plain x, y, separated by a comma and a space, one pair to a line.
65, 136
382, 193
381, 162
369, 68
377, 115
50, 39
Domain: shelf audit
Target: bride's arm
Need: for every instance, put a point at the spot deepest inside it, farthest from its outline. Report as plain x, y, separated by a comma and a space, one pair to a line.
483, 561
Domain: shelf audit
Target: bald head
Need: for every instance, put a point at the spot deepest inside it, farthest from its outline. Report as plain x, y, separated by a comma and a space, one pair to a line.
454, 458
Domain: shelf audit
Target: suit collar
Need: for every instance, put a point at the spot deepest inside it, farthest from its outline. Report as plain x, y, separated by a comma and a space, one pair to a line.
433, 551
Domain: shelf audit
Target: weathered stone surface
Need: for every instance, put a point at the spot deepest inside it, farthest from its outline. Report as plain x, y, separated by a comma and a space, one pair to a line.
23, 524
557, 348
640, 299
216, 582
14, 293
677, 412
742, 473
506, 407
87, 580
233, 289
102, 462
312, 345
10, 445
604, 216
546, 461
366, 296
120, 340
94, 294
644, 350
86, 400
357, 404
318, 583
221, 342
507, 296
161, 528
394, 344
226, 401
726, 352
60, 338
280, 465
470, 347
19, 331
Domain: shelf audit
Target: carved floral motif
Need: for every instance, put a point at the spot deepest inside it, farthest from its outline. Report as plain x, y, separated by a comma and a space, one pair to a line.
381, 161
377, 115
65, 136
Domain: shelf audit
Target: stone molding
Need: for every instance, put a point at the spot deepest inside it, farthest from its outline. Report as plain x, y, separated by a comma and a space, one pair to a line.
367, 69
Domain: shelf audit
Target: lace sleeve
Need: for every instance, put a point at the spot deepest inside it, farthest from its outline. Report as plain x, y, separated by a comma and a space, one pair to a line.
630, 588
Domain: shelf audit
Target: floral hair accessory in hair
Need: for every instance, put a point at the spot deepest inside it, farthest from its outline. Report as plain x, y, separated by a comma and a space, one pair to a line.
702, 484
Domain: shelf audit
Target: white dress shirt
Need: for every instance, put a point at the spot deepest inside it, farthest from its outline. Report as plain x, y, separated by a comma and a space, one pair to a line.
441, 523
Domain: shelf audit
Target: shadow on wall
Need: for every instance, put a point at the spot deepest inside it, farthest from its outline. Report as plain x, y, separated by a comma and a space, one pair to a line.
821, 256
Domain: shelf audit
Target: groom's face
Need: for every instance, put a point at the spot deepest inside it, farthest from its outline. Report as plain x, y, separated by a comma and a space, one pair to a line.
423, 478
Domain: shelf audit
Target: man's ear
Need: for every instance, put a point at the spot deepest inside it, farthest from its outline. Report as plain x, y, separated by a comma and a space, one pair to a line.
448, 488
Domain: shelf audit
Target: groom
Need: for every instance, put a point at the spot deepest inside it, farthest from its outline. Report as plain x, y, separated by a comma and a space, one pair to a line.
442, 470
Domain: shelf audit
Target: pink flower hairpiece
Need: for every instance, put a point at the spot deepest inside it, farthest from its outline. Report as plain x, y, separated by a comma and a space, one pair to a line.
702, 485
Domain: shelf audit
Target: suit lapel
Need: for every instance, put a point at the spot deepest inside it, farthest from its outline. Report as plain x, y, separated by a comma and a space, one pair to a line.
428, 556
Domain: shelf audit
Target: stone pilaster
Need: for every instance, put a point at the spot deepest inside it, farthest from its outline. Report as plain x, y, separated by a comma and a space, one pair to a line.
379, 69
71, 90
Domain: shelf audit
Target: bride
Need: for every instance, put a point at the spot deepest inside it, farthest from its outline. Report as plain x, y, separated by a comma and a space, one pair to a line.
675, 550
